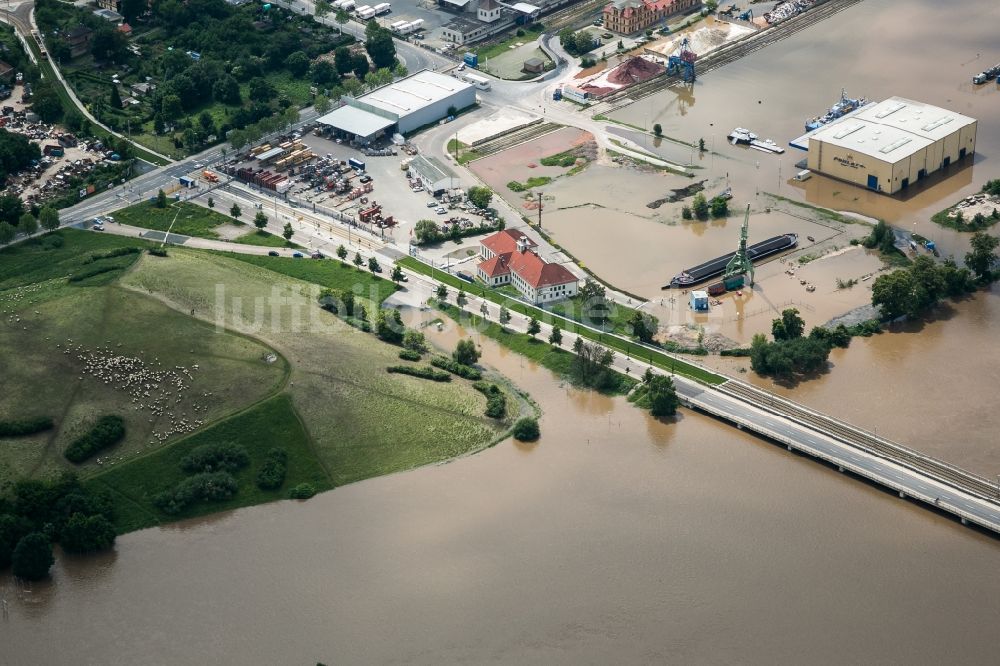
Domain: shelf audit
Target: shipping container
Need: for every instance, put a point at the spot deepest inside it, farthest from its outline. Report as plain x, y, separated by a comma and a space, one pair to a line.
716, 289
357, 165
382, 8
734, 282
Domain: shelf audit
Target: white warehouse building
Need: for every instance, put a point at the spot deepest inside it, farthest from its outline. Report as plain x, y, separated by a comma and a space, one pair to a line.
890, 145
402, 106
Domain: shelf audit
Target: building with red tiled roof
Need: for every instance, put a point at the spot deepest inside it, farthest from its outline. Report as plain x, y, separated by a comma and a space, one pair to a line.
509, 257
629, 16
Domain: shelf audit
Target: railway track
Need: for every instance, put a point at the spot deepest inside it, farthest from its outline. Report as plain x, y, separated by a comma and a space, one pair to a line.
514, 138
726, 55
897, 453
570, 16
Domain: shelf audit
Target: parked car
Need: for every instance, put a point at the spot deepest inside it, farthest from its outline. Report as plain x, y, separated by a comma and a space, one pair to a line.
418, 189
273, 253
440, 210
432, 204
297, 255
365, 178
98, 226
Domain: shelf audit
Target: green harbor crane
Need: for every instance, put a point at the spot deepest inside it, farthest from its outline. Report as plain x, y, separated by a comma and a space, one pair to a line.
740, 264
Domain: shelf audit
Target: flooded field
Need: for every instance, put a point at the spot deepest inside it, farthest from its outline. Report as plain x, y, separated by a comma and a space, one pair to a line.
615, 538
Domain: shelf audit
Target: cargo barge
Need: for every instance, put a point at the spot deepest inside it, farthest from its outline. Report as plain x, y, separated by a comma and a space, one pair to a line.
717, 266
843, 106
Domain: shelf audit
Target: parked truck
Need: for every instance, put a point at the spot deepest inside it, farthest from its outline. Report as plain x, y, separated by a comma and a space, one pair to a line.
480, 82
364, 12
187, 182
382, 8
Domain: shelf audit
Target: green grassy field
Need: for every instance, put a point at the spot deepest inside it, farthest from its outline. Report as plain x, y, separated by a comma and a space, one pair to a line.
269, 424
191, 220
264, 239
657, 358
200, 347
363, 421
326, 273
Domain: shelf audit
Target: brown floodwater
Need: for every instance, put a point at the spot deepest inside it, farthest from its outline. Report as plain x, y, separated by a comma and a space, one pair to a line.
615, 538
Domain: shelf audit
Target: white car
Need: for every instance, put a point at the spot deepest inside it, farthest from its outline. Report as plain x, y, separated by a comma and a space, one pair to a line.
432, 204
418, 189
98, 226
440, 210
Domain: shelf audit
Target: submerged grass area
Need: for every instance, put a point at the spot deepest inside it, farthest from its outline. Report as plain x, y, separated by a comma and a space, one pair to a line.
270, 424
192, 220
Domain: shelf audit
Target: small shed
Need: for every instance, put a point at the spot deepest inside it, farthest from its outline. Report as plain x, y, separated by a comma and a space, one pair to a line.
699, 301
535, 65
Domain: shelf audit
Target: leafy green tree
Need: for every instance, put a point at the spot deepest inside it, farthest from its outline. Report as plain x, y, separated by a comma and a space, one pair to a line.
297, 64
663, 399
414, 341
358, 261
49, 217
360, 66
261, 90
211, 202
32, 557
170, 107
389, 326
460, 298
555, 337
87, 534
790, 326
28, 225
380, 46
533, 327
116, 99
657, 129
323, 8
719, 207
373, 265
323, 73
465, 352
699, 205
594, 302
343, 60
441, 293
378, 78
400, 71
45, 102
342, 17
341, 252
11, 209
397, 274
161, 199
427, 231
235, 212
526, 429
644, 326
480, 196
226, 89
894, 294
7, 233
288, 232
504, 316
108, 44
701, 145
982, 257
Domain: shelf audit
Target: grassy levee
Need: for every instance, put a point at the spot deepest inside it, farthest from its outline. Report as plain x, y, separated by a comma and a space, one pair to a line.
269, 424
556, 359
264, 239
67, 102
327, 273
192, 220
641, 352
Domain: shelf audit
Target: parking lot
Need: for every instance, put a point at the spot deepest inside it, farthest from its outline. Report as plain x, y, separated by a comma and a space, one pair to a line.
410, 10
326, 184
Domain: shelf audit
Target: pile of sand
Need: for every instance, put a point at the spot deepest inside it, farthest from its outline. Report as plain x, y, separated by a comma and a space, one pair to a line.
635, 70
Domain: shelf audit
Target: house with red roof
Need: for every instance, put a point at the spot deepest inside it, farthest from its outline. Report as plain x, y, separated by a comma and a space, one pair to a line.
510, 257
629, 16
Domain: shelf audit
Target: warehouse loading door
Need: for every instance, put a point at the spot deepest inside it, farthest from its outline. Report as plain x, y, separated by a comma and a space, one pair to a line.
873, 182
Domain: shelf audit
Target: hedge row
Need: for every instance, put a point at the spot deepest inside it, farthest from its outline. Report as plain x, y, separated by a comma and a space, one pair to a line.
272, 473
740, 351
23, 427
456, 368
423, 373
225, 457
78, 277
409, 355
496, 404
117, 252
108, 431
207, 487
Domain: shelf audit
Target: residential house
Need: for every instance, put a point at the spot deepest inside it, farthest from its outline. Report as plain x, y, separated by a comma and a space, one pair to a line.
510, 257
631, 16
78, 40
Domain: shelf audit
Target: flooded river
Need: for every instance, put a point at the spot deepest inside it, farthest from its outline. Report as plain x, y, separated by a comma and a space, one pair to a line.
618, 538
614, 539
